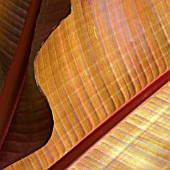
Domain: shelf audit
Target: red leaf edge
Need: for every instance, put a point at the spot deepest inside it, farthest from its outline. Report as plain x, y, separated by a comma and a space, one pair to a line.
114, 119
17, 72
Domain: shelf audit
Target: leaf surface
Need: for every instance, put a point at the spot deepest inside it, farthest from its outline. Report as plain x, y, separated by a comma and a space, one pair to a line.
32, 122
12, 18
141, 141
95, 61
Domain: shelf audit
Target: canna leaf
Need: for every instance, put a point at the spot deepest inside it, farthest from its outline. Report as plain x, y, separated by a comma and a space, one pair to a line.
32, 123
141, 141
12, 18
98, 58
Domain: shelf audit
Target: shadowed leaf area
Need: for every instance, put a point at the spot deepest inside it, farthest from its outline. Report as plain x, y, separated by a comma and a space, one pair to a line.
32, 123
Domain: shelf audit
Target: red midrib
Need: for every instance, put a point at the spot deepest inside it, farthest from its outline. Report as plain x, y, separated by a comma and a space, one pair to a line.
17, 72
111, 121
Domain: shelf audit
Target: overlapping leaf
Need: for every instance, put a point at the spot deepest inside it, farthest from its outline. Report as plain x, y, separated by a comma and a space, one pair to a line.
32, 122
12, 19
141, 141
96, 60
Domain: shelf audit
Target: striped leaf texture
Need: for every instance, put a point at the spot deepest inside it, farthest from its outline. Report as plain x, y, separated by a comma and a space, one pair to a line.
98, 58
32, 123
141, 141
12, 18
